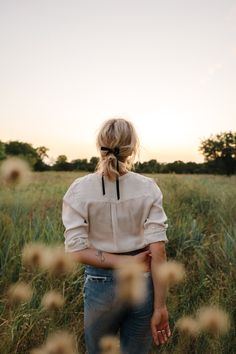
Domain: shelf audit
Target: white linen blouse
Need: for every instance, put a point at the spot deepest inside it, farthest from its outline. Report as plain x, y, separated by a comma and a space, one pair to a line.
94, 220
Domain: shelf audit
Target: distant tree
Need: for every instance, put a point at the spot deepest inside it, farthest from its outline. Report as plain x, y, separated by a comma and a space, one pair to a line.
193, 167
79, 165
220, 152
62, 164
92, 163
2, 150
61, 159
164, 168
176, 166
24, 150
42, 152
151, 166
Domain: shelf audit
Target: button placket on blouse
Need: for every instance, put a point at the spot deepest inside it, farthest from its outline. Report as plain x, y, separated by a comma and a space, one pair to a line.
114, 223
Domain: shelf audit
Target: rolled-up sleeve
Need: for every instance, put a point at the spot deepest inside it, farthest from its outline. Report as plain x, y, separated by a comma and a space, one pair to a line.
155, 225
76, 228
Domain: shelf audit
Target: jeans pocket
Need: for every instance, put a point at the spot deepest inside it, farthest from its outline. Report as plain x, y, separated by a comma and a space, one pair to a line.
94, 281
95, 278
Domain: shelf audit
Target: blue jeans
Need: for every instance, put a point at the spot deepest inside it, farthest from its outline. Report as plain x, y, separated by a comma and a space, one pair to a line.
105, 315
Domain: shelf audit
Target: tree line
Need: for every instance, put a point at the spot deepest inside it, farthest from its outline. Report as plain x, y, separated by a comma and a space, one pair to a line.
219, 153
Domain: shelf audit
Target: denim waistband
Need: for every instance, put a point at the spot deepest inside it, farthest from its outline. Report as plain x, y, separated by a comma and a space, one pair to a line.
98, 271
106, 272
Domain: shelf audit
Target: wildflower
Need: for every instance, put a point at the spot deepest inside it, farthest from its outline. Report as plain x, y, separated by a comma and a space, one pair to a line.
15, 171
58, 261
110, 345
213, 320
18, 293
170, 273
60, 342
131, 286
188, 326
52, 300
33, 255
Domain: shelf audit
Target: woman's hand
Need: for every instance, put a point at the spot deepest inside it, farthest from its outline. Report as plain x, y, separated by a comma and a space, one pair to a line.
144, 257
160, 325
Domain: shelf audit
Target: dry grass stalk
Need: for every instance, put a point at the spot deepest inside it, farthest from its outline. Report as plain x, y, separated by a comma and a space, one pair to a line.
213, 320
15, 171
188, 326
110, 345
131, 286
170, 273
19, 292
52, 300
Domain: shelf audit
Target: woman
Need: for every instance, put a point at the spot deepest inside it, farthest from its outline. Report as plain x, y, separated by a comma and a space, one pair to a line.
111, 216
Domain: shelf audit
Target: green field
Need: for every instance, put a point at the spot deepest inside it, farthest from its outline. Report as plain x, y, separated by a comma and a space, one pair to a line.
201, 214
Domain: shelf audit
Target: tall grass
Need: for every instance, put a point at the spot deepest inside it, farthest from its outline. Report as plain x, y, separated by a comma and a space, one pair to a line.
201, 214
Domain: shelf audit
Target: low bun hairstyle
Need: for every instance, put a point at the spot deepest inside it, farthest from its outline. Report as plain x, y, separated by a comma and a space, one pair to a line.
117, 133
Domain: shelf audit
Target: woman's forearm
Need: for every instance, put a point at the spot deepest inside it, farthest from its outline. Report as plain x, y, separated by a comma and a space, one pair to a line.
158, 257
160, 290
99, 258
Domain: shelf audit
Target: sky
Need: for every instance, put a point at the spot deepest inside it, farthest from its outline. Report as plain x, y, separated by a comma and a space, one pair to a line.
167, 66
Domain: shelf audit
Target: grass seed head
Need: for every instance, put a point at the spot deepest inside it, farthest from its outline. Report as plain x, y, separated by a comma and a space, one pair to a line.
131, 286
18, 293
33, 255
213, 320
52, 300
58, 262
188, 326
60, 342
171, 273
40, 350
110, 345
15, 171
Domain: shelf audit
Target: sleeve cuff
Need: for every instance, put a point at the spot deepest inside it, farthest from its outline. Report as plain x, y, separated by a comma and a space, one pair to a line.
155, 237
77, 243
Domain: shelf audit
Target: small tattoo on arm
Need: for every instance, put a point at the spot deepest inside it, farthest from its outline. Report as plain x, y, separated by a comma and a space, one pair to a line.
100, 256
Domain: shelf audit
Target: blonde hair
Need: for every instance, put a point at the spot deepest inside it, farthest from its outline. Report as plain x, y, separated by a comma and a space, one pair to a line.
117, 133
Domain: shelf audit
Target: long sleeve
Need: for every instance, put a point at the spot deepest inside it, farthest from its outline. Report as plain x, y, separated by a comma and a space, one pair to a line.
76, 228
155, 225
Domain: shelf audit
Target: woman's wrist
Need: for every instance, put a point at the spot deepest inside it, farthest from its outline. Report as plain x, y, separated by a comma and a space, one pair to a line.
159, 307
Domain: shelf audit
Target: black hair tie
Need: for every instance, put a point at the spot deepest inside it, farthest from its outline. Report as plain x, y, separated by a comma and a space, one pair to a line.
115, 152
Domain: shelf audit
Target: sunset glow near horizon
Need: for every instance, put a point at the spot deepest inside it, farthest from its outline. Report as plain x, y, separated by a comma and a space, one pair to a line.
167, 66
